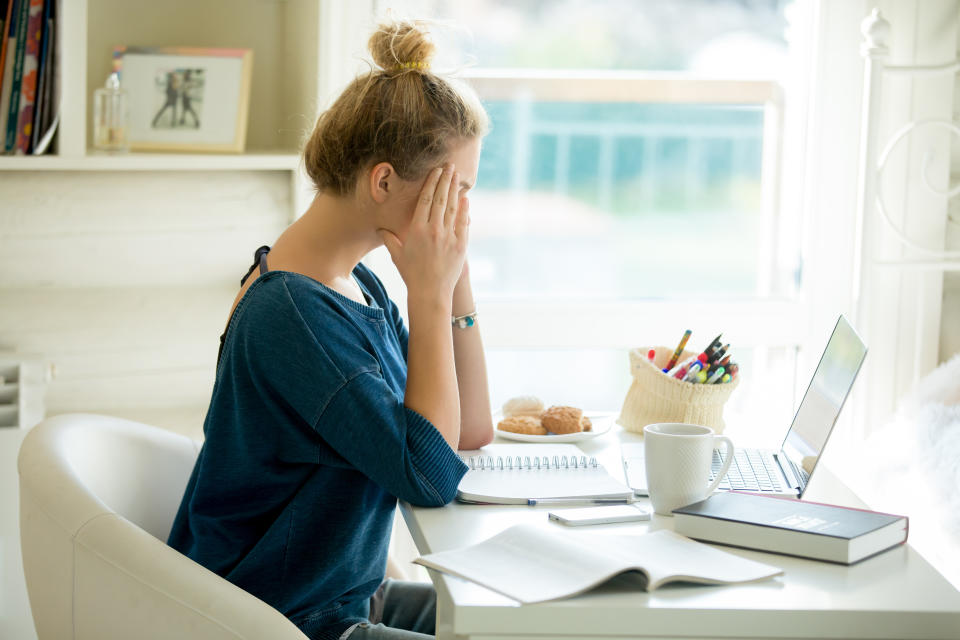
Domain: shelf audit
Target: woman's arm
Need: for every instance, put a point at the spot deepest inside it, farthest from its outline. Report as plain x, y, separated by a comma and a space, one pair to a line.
430, 260
476, 424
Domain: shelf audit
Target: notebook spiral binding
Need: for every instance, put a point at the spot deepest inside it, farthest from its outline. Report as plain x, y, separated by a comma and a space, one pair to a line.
499, 463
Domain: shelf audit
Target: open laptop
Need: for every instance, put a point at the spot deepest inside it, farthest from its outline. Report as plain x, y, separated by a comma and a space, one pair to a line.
785, 472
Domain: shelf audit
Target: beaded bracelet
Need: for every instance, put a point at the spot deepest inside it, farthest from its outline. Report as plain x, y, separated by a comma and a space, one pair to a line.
465, 321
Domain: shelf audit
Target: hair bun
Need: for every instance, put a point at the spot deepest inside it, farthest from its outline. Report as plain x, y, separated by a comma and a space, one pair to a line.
402, 44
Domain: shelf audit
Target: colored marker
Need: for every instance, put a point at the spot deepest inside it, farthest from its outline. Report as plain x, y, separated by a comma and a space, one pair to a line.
676, 354
692, 373
701, 376
651, 354
725, 378
683, 365
715, 375
734, 369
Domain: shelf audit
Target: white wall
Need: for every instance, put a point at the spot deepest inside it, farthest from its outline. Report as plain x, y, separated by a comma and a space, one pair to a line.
122, 281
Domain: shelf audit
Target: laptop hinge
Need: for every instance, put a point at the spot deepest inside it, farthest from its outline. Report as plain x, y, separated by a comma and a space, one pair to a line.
789, 471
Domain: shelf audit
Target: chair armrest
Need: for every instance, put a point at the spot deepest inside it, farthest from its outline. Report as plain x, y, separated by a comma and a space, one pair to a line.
129, 584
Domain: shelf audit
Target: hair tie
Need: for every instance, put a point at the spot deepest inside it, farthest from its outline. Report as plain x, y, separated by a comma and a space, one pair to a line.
422, 64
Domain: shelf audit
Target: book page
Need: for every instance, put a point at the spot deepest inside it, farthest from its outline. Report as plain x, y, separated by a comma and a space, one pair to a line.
673, 557
535, 564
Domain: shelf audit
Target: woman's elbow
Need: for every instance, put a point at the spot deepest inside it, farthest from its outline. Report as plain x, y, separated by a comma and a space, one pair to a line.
433, 498
476, 438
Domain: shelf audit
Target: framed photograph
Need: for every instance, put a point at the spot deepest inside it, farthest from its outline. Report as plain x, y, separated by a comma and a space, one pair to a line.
185, 98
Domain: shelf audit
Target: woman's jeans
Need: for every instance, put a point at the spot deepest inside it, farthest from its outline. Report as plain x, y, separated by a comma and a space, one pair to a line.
399, 611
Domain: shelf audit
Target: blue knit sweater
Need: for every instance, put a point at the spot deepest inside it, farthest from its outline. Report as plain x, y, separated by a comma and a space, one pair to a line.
307, 447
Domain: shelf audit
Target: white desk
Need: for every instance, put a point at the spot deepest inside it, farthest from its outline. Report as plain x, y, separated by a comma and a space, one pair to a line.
896, 594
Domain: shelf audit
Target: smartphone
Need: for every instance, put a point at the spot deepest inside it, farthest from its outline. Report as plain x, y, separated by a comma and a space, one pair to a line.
600, 515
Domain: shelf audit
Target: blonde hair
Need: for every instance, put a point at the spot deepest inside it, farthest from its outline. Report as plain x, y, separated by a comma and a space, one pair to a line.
399, 112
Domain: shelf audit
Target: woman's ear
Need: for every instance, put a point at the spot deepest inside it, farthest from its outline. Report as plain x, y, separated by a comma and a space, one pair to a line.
382, 182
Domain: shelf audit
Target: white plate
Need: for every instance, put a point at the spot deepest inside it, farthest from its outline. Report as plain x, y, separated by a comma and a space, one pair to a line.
601, 424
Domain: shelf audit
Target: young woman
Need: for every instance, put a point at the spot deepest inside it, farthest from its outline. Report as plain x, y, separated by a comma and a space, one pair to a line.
325, 409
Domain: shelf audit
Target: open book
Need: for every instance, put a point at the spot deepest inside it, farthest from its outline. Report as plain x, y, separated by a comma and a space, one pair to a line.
516, 473
530, 563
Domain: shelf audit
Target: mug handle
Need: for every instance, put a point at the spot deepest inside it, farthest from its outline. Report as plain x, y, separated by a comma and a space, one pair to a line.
726, 465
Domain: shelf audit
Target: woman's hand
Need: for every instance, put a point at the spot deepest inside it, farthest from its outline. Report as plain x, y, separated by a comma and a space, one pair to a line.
430, 259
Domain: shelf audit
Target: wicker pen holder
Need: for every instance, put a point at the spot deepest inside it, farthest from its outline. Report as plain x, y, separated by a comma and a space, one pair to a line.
656, 397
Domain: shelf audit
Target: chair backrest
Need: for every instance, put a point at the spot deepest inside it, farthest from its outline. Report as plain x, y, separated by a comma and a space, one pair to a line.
98, 496
135, 470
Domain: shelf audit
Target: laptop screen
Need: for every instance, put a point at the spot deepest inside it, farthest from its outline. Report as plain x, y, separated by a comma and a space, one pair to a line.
821, 404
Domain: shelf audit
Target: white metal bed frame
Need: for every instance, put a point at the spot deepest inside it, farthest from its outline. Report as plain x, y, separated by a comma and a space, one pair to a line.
876, 32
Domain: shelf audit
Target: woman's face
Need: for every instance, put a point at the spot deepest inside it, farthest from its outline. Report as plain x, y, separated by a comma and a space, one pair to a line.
465, 158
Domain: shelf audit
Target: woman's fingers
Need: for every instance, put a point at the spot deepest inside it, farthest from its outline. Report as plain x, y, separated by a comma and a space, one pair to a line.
453, 197
463, 218
439, 205
422, 212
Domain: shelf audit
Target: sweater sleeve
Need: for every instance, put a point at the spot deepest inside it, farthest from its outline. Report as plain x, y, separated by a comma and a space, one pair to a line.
367, 424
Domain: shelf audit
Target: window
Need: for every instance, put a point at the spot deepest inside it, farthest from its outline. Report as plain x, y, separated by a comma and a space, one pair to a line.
629, 189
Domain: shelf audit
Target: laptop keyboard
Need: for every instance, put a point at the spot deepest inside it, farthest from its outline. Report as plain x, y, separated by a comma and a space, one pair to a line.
749, 471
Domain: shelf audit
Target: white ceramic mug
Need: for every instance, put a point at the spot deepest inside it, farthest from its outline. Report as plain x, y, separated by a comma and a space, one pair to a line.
678, 458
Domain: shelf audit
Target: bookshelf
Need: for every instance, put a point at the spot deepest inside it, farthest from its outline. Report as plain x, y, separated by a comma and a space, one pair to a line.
285, 36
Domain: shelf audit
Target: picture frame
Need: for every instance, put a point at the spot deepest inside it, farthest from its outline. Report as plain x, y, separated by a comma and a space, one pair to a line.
185, 98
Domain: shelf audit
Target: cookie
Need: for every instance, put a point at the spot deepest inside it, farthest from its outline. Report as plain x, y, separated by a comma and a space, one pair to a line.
527, 425
561, 419
523, 406
586, 424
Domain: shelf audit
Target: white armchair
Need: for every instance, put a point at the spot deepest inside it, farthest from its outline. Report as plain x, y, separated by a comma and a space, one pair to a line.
97, 500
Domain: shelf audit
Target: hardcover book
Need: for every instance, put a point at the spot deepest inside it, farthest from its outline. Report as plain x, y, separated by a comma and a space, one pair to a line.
791, 527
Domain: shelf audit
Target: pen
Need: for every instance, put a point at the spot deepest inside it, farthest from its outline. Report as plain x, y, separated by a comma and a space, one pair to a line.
714, 376
532, 502
676, 354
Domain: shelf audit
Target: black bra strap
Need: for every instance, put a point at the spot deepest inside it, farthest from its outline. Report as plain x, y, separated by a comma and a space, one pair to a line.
259, 258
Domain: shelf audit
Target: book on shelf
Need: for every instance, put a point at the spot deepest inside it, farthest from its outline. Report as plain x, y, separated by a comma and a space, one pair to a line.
531, 563
17, 49
518, 473
48, 111
43, 75
9, 54
791, 527
6, 9
29, 78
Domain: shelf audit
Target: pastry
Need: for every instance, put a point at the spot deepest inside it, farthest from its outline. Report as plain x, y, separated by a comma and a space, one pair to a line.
527, 425
523, 406
586, 424
561, 419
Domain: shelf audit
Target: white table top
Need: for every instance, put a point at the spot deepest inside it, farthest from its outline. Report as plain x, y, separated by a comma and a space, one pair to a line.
895, 594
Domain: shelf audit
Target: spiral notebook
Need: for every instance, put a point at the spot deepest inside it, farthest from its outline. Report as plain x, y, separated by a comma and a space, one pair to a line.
518, 473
